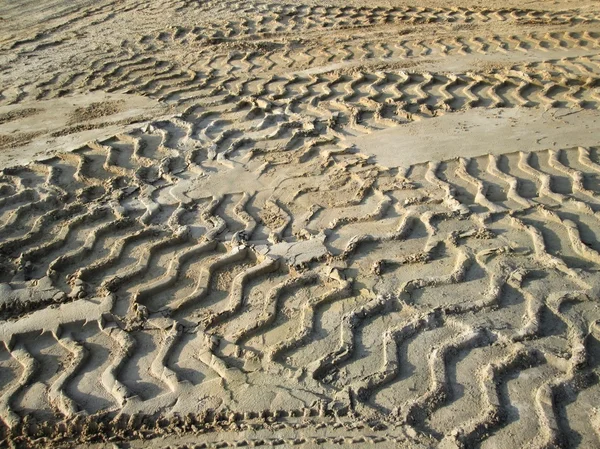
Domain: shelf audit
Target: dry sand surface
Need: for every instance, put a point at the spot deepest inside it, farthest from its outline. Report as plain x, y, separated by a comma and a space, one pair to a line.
299, 224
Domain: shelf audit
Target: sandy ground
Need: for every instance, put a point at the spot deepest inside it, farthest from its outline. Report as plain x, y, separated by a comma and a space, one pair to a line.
315, 224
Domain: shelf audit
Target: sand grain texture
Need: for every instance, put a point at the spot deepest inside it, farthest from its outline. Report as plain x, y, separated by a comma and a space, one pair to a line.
229, 224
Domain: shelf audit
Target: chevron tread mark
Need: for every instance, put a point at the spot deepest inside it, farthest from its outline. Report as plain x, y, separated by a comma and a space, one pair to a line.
238, 273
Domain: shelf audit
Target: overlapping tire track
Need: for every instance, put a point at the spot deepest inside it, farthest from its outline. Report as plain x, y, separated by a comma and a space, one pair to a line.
219, 236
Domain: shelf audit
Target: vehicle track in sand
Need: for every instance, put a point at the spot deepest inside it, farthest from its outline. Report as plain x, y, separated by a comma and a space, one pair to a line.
242, 273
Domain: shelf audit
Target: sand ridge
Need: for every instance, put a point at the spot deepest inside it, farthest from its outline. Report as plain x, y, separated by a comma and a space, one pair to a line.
230, 224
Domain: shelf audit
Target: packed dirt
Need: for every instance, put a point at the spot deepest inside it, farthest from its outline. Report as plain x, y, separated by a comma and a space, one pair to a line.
309, 224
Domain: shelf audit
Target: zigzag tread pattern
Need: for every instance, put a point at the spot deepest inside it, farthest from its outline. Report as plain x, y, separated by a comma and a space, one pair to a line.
241, 267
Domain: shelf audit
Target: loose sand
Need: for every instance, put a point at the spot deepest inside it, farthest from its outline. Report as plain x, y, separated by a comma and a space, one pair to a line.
317, 224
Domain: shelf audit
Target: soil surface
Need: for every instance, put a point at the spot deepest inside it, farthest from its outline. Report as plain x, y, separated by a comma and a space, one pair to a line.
304, 224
